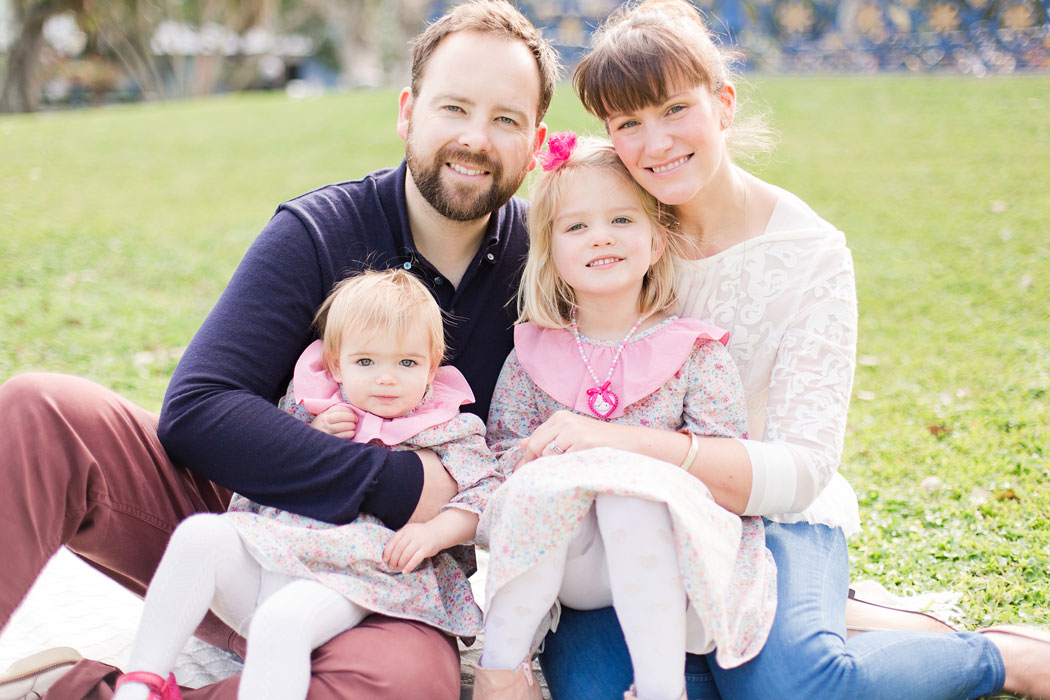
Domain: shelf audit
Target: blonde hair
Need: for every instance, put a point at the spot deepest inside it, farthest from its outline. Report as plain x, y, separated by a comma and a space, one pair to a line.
496, 18
645, 50
393, 300
543, 297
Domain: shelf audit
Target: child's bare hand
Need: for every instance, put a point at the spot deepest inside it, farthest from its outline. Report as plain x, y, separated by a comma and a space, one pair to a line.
338, 420
411, 545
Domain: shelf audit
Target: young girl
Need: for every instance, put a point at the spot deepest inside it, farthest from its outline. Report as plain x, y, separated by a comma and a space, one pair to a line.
290, 583
590, 527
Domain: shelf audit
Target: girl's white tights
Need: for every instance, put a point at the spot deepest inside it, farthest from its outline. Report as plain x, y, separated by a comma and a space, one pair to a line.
207, 565
621, 553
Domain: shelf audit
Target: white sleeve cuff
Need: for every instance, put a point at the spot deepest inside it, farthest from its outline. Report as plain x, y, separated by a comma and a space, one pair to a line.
773, 478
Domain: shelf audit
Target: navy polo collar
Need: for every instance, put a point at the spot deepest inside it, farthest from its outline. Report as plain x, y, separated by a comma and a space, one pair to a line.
391, 187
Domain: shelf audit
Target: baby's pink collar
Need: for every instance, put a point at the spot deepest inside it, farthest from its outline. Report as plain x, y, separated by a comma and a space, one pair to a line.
318, 391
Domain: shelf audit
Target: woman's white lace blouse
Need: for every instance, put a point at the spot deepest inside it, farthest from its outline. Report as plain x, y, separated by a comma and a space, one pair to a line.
789, 301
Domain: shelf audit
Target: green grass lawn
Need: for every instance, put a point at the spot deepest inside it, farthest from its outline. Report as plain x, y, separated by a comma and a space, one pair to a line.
119, 228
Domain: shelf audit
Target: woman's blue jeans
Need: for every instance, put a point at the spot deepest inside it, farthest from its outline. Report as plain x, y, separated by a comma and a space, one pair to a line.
807, 654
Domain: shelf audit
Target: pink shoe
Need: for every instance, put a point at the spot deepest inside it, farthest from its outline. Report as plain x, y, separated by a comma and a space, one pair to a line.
159, 689
495, 684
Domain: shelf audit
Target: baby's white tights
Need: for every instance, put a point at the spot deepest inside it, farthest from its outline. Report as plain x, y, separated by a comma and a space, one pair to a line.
284, 618
622, 553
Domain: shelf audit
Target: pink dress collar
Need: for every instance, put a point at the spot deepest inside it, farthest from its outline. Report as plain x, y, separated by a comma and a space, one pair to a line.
552, 361
318, 391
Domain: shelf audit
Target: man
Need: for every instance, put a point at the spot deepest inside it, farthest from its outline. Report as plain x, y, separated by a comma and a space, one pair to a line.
85, 468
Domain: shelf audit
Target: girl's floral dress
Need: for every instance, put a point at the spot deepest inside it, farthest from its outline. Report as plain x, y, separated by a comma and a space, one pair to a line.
675, 376
349, 558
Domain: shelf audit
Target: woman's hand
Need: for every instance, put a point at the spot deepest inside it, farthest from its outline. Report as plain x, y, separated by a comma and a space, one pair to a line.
722, 464
566, 431
338, 420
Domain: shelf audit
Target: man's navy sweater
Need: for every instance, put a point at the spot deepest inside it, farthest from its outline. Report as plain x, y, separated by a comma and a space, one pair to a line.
219, 416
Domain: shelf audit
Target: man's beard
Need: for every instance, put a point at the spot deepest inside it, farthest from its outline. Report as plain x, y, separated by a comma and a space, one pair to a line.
463, 202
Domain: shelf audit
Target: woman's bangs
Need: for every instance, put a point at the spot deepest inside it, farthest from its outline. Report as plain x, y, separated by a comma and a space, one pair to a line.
627, 81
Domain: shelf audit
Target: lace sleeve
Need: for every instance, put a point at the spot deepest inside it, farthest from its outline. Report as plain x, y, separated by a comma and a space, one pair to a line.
809, 392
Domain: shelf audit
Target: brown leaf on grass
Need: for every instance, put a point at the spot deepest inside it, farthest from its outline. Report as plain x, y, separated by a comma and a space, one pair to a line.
938, 430
1006, 495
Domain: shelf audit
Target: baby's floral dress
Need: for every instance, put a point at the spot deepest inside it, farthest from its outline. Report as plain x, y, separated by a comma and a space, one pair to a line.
676, 375
349, 558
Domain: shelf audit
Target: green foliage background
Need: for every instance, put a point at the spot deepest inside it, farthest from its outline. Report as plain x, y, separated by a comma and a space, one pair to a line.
119, 228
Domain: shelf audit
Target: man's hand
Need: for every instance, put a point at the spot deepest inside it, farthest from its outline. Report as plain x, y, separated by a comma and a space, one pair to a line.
338, 420
438, 488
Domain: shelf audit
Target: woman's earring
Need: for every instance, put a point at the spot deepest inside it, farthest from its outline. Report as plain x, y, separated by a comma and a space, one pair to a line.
725, 123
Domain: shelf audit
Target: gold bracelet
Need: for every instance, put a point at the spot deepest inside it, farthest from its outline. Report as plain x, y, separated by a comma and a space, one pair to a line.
694, 447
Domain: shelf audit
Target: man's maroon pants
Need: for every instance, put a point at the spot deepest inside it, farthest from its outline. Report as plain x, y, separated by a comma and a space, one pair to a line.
82, 467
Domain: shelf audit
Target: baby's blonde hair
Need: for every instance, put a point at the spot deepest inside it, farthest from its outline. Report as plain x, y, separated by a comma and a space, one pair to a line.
543, 297
374, 300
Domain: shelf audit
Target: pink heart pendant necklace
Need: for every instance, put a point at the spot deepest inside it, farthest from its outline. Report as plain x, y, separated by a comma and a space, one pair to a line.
601, 399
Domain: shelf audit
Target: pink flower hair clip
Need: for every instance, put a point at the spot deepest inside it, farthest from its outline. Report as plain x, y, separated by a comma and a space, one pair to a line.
559, 149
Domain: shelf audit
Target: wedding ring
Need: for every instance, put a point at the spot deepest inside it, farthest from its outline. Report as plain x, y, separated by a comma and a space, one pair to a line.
554, 447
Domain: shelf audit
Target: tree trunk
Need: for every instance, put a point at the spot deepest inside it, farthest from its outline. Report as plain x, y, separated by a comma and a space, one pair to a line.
20, 91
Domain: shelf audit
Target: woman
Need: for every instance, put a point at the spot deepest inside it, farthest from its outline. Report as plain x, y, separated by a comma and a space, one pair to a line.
765, 266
